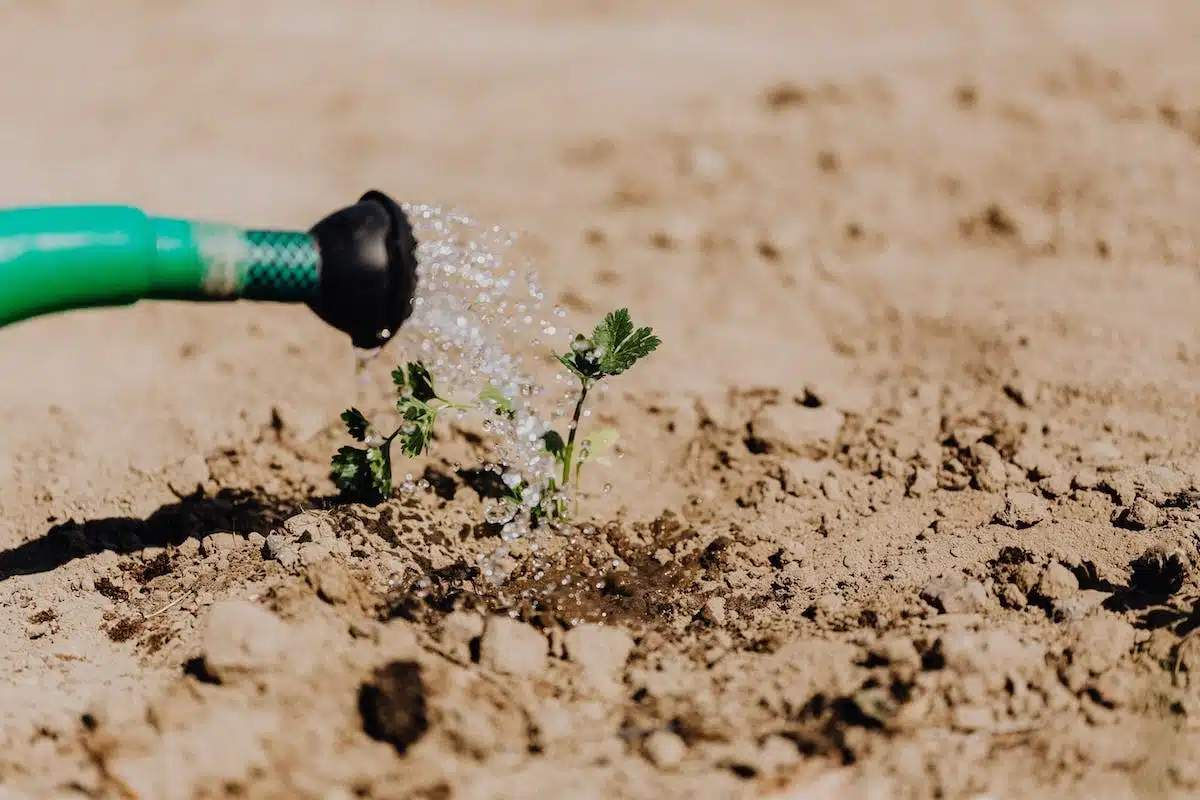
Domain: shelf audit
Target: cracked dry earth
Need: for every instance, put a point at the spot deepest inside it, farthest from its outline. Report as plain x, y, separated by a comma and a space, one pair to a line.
909, 500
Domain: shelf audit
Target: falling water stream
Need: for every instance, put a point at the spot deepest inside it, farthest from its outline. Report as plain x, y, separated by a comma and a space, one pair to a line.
479, 315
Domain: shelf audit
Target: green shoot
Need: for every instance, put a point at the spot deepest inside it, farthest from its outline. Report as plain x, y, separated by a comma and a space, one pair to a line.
614, 346
366, 473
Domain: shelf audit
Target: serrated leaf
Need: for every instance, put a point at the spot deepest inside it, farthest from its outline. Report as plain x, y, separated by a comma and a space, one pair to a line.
613, 329
620, 345
356, 424
365, 474
413, 410
399, 378
421, 382
414, 441
568, 361
348, 463
381, 471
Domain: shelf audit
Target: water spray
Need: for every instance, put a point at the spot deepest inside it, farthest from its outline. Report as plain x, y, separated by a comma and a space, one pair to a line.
356, 268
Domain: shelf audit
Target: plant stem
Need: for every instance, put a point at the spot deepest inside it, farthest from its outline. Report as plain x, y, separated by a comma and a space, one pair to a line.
569, 452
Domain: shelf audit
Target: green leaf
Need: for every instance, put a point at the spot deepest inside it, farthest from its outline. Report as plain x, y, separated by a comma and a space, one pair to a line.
621, 345
568, 361
381, 471
582, 359
421, 382
554, 444
364, 474
414, 441
413, 410
613, 329
399, 378
356, 424
348, 464
504, 406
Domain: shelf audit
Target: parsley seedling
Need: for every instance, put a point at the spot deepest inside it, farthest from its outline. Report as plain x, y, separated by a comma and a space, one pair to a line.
366, 473
614, 346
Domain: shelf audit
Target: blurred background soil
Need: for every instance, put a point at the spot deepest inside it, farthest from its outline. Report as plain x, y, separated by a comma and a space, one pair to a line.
911, 495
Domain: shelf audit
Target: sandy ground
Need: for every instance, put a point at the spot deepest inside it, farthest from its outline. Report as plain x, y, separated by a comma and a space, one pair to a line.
912, 493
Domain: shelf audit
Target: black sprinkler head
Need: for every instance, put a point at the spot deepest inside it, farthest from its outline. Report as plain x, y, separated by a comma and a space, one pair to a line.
368, 269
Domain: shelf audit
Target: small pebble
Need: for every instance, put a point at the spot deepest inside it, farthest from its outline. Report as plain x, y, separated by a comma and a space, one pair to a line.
216, 543
1037, 461
311, 553
1100, 454
1012, 597
601, 649
955, 594
921, 482
188, 476
459, 629
830, 604
714, 610
188, 548
896, 651
1141, 515
1055, 485
1057, 585
242, 639
832, 488
512, 647
990, 472
1022, 510
309, 527
973, 718
664, 749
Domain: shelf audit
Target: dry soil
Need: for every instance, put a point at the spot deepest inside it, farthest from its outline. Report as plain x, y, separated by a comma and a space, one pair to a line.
910, 497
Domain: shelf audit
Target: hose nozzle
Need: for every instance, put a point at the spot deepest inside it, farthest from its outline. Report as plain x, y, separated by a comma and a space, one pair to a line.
368, 269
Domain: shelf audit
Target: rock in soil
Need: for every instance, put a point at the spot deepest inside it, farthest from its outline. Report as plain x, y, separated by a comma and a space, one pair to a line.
242, 640
1057, 584
599, 649
956, 595
664, 749
1023, 510
512, 647
1139, 516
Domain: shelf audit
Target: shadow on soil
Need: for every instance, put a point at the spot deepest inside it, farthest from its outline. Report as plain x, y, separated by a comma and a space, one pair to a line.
233, 510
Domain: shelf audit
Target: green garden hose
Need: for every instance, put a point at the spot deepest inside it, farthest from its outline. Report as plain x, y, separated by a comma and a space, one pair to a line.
356, 268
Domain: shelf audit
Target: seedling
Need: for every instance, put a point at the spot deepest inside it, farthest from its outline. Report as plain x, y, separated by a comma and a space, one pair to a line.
365, 473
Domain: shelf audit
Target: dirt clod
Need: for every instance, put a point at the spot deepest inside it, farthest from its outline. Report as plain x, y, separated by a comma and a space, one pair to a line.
242, 640
512, 647
600, 650
1141, 515
664, 749
1022, 510
956, 595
